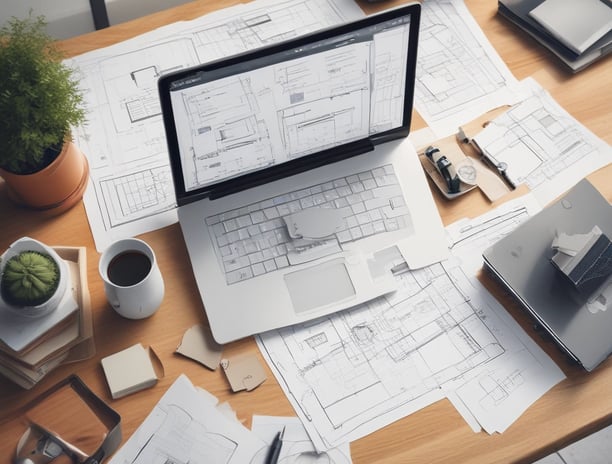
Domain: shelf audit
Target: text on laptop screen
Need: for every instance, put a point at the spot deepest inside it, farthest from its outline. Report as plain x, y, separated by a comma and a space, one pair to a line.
275, 108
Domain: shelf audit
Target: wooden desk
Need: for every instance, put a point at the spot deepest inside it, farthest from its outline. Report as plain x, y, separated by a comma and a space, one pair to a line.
574, 408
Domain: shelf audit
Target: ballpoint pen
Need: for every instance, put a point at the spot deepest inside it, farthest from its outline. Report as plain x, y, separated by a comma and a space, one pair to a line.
275, 448
501, 166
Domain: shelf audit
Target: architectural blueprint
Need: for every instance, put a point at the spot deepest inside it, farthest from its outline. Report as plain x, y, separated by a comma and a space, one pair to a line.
273, 114
459, 75
542, 144
458, 78
130, 189
187, 425
441, 334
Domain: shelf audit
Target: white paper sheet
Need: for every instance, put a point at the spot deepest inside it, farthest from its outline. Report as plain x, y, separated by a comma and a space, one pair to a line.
459, 74
130, 190
496, 393
187, 425
542, 144
352, 373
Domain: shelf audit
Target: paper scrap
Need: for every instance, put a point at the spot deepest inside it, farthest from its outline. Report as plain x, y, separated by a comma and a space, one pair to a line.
243, 372
131, 370
199, 345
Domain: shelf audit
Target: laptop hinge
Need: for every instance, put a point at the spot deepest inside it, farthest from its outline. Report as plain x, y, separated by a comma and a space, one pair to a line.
291, 168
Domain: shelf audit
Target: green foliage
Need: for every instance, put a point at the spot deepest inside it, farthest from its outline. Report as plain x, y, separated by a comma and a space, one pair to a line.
29, 279
40, 97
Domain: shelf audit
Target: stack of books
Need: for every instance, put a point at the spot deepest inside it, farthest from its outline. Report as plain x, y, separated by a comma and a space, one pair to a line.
30, 348
577, 32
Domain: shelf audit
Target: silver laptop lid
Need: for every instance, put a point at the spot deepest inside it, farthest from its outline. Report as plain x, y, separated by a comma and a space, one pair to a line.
279, 110
580, 322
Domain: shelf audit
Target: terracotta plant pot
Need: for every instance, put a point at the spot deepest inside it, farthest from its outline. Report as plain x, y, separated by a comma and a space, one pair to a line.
56, 188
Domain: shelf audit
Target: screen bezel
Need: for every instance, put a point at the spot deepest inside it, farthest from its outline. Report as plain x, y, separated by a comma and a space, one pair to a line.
307, 162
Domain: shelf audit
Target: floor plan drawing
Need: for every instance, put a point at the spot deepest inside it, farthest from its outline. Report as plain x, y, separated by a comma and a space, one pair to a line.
542, 145
225, 130
174, 441
268, 23
187, 426
459, 74
128, 197
124, 137
241, 123
273, 113
346, 373
389, 82
328, 104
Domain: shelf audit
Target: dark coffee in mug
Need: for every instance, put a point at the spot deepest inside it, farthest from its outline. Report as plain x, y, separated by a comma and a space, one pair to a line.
128, 268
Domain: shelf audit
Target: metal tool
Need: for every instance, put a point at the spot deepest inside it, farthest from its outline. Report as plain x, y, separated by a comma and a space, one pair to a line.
445, 168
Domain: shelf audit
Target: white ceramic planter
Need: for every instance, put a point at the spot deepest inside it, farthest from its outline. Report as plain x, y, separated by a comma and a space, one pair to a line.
25, 244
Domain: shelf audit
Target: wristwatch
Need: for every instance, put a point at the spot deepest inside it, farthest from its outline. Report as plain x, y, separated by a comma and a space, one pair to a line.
445, 168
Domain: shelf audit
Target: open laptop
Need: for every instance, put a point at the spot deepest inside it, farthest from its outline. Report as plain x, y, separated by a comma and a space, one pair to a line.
288, 210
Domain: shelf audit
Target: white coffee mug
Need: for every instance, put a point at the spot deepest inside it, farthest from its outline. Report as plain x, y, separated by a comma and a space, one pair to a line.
133, 283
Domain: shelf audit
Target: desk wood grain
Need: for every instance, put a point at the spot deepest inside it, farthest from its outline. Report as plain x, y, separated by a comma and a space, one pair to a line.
574, 408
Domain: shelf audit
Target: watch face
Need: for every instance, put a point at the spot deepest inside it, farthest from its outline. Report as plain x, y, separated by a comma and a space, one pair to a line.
467, 173
502, 166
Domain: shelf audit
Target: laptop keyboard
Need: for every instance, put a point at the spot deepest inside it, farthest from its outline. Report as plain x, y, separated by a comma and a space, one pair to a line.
307, 224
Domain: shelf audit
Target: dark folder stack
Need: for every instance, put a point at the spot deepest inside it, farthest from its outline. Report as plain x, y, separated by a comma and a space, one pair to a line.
519, 12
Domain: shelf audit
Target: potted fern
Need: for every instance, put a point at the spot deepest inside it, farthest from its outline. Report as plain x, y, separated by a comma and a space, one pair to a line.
40, 101
33, 278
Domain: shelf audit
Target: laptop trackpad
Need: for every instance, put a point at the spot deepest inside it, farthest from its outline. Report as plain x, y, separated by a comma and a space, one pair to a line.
319, 285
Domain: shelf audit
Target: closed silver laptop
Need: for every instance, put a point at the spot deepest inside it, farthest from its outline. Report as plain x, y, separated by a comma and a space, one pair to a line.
579, 320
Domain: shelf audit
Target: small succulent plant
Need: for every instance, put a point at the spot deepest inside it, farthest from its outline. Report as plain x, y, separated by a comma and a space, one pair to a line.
29, 279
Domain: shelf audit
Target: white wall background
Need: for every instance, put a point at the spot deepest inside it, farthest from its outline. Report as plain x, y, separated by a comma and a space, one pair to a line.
124, 10
67, 18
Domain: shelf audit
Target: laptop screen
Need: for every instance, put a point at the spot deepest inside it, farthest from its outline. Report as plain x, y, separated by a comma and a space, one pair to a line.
250, 118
